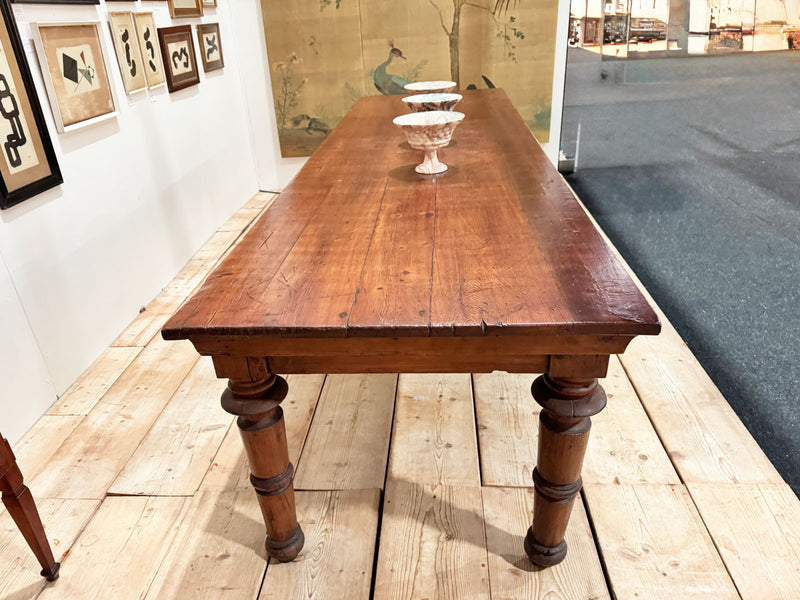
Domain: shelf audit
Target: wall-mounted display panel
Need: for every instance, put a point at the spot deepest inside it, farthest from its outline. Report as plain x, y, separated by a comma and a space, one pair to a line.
210, 46
185, 8
28, 163
177, 51
151, 50
75, 73
129, 55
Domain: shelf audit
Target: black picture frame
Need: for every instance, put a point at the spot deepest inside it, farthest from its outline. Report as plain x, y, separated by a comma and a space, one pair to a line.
20, 109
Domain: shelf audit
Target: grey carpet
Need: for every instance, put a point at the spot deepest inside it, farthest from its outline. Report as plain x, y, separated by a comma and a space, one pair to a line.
692, 167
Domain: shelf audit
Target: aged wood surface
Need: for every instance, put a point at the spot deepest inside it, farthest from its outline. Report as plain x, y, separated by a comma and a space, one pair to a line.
432, 544
433, 440
655, 545
580, 577
527, 262
115, 556
756, 528
95, 381
172, 459
341, 528
95, 452
64, 520
352, 423
217, 552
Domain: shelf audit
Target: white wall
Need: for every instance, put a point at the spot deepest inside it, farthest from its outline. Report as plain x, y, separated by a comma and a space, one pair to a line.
142, 192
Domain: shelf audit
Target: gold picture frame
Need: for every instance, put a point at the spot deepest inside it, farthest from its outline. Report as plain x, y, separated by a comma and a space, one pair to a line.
75, 73
129, 54
185, 8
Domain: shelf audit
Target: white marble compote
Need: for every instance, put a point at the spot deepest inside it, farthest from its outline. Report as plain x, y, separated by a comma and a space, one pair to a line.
429, 131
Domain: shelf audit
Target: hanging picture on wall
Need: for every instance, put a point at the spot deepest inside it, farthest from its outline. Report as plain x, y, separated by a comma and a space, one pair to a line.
151, 51
27, 161
209, 3
177, 51
75, 73
185, 8
210, 46
129, 55
56, 1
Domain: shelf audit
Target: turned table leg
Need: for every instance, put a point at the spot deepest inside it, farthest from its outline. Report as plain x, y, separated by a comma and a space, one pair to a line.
19, 502
567, 403
264, 435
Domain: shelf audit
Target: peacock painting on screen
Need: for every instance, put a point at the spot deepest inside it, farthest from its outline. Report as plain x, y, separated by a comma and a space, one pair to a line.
325, 54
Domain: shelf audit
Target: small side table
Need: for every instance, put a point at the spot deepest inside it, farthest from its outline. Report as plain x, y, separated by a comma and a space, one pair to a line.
19, 501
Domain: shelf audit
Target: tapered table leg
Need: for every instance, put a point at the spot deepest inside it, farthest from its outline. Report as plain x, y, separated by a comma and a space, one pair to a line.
564, 426
264, 435
19, 502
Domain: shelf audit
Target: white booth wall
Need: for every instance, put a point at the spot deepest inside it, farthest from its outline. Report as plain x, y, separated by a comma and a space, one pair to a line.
142, 192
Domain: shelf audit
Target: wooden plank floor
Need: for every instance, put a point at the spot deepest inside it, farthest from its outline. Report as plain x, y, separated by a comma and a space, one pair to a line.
409, 486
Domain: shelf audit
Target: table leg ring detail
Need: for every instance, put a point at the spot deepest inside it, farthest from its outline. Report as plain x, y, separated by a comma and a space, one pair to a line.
543, 556
286, 550
273, 486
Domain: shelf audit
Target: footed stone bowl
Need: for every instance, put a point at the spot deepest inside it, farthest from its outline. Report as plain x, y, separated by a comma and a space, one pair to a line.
429, 131
426, 102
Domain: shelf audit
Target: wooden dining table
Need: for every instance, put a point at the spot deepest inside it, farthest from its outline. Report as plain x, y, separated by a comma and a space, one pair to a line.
361, 266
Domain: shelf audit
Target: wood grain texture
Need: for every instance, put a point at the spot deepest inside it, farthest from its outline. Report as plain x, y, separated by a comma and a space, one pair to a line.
654, 543
624, 447
229, 469
94, 453
94, 382
348, 443
507, 514
176, 453
513, 252
336, 561
115, 556
217, 552
147, 323
432, 544
42, 440
508, 424
703, 436
19, 571
433, 439
756, 528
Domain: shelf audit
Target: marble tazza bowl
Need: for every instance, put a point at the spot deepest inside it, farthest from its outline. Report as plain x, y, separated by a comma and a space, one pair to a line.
431, 87
429, 131
426, 102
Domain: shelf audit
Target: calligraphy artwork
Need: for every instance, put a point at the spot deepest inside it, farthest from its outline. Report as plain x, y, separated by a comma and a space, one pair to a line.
75, 73
129, 54
210, 46
27, 161
151, 50
177, 53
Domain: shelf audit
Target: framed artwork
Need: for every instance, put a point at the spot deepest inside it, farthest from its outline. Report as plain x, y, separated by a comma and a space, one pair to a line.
151, 51
209, 2
56, 1
75, 73
177, 51
28, 163
185, 8
210, 46
129, 55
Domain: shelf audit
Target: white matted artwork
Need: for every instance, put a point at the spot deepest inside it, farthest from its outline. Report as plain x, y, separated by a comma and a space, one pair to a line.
129, 56
210, 46
151, 51
75, 73
185, 8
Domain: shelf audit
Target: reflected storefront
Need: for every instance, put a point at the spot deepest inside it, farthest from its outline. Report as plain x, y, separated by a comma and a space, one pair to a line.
636, 28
